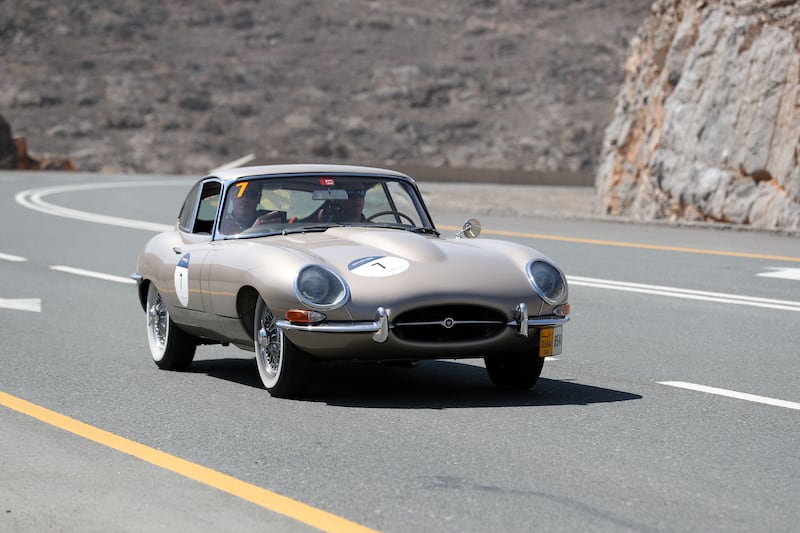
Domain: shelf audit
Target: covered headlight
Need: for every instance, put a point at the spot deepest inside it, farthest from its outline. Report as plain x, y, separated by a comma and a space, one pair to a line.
547, 281
320, 288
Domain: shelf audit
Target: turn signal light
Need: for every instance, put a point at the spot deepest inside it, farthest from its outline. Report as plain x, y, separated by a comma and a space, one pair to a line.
561, 310
303, 316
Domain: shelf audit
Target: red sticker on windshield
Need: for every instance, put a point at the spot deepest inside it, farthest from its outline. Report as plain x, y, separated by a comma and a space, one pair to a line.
327, 182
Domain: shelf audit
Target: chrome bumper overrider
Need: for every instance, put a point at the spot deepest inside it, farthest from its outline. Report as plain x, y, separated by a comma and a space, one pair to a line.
521, 315
380, 326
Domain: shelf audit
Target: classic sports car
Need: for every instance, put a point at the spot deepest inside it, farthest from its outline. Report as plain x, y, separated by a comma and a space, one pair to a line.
310, 263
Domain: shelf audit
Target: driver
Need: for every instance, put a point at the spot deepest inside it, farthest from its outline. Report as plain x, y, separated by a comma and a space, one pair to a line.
242, 211
349, 210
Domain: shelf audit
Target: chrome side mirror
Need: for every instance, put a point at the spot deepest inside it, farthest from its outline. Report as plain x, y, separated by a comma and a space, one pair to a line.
470, 229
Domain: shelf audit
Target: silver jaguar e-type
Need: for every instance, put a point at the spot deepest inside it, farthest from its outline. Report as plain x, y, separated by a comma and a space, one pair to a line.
310, 263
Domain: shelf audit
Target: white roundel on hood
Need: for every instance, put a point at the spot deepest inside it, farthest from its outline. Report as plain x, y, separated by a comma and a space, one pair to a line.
378, 266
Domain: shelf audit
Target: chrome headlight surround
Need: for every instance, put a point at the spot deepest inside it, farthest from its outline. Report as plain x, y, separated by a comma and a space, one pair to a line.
320, 288
547, 280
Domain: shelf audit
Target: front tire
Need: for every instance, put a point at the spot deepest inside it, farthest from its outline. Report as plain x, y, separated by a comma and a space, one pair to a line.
283, 368
514, 372
171, 348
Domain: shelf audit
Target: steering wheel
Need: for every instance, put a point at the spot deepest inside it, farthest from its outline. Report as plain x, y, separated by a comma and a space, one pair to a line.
397, 214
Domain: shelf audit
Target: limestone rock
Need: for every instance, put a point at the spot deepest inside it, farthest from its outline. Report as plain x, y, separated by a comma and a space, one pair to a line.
707, 123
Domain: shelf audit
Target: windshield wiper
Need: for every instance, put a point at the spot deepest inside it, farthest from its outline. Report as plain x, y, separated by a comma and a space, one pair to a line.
424, 231
412, 229
312, 228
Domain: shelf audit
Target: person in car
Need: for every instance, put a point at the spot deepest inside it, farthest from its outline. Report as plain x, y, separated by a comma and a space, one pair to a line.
349, 210
242, 211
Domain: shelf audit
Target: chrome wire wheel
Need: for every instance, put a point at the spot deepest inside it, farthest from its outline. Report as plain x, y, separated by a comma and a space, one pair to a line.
269, 342
283, 368
171, 347
157, 323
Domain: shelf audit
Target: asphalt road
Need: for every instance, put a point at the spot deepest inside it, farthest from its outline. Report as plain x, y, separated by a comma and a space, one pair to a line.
675, 405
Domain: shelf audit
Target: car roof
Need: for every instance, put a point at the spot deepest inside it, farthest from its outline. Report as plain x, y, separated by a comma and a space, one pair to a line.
232, 174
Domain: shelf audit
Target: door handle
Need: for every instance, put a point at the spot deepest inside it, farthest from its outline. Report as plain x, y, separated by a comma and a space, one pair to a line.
177, 249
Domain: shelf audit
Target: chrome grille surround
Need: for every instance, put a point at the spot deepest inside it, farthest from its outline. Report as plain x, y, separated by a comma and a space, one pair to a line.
449, 323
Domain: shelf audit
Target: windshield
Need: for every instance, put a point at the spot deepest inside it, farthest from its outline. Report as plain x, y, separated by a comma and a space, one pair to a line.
262, 206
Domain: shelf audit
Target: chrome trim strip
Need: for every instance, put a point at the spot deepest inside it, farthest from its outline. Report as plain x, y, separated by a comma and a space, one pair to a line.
455, 323
380, 327
542, 322
350, 327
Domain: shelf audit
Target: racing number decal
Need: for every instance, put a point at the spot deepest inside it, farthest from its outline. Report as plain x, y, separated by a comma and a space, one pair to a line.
378, 266
181, 279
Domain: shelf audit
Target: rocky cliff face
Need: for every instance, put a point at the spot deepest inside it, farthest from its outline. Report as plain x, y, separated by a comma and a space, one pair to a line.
181, 87
707, 124
8, 151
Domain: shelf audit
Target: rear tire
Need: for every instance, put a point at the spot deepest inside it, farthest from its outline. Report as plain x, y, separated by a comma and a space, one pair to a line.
514, 372
283, 368
171, 348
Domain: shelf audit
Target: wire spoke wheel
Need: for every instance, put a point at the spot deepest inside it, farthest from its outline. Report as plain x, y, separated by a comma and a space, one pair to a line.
283, 368
170, 347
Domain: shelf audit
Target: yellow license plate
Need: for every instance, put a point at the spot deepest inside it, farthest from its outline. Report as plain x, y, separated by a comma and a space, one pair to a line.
549, 341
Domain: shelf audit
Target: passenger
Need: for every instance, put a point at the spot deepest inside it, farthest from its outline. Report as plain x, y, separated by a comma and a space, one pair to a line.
242, 213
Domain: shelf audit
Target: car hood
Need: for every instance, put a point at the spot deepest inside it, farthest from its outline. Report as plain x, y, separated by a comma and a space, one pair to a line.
392, 266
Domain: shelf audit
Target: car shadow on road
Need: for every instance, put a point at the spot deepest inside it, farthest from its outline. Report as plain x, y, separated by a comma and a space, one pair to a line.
242, 371
429, 385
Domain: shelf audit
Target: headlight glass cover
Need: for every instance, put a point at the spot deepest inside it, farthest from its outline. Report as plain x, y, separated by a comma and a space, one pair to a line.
320, 288
547, 281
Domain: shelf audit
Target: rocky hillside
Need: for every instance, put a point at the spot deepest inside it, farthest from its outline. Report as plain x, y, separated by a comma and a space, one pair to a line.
172, 87
707, 126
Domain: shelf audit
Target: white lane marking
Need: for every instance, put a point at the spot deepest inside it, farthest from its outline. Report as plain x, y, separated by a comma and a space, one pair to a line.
782, 273
731, 394
674, 292
12, 258
19, 304
33, 199
92, 274
22, 304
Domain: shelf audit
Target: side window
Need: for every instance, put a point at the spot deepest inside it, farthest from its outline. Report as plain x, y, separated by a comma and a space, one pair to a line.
200, 208
207, 211
186, 215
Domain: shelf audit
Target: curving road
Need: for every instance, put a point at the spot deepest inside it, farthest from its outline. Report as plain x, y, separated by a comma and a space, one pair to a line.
674, 407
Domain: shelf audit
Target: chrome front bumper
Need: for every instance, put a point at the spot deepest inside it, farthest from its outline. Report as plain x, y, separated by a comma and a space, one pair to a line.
380, 326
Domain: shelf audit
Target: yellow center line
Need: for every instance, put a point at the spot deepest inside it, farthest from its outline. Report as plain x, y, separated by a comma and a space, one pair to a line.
272, 501
634, 245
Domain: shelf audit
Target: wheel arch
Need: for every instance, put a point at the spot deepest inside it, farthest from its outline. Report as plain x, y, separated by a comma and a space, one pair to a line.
246, 307
143, 287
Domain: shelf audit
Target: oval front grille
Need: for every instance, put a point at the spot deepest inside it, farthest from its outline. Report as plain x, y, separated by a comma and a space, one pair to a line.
449, 323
